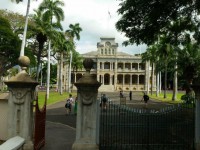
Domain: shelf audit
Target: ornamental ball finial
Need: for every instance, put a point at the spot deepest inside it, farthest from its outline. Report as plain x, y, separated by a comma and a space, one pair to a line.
24, 62
88, 64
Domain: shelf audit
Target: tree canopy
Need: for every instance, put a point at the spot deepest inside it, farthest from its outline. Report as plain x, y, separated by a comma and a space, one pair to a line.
9, 46
143, 20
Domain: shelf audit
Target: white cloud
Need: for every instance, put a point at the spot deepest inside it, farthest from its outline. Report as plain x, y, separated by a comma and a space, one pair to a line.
93, 17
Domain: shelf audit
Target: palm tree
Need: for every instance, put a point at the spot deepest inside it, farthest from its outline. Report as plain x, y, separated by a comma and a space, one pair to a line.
151, 55
73, 32
164, 53
51, 9
62, 46
44, 30
188, 62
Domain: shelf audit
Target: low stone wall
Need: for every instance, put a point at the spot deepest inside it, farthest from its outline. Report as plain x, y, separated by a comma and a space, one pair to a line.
3, 116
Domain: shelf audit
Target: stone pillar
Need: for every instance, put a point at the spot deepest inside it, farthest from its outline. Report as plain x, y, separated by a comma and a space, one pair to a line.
131, 80
86, 126
115, 75
20, 108
197, 114
138, 79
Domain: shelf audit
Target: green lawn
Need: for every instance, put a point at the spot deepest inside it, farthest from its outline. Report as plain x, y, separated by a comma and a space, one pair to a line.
53, 97
169, 97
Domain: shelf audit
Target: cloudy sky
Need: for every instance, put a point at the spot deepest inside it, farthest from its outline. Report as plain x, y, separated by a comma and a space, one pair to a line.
97, 18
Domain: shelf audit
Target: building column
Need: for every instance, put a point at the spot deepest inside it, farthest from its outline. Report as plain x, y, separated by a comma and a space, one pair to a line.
138, 79
103, 79
130, 79
110, 80
123, 66
138, 66
98, 65
115, 75
123, 79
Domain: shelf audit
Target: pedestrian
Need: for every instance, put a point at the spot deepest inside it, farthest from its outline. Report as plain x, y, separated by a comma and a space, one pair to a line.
130, 95
145, 98
104, 101
121, 94
68, 105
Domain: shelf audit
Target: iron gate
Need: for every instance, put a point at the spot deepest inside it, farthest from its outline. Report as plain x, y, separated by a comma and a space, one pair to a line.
40, 119
171, 128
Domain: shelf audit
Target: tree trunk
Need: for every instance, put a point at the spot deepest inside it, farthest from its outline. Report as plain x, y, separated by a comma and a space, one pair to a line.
148, 78
174, 97
60, 74
160, 85
157, 84
165, 88
152, 78
48, 70
69, 78
25, 29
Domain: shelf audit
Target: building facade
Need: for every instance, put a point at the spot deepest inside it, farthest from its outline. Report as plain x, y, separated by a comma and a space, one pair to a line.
115, 70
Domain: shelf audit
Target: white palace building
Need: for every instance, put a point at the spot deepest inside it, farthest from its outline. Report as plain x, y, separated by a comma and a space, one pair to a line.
115, 70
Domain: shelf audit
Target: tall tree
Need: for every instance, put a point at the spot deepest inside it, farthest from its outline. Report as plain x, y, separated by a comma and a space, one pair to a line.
62, 47
43, 30
188, 61
151, 55
50, 9
73, 32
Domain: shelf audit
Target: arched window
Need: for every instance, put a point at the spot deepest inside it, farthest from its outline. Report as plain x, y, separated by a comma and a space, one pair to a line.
102, 51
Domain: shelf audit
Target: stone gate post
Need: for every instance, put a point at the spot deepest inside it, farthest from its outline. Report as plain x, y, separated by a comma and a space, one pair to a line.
197, 116
86, 126
20, 109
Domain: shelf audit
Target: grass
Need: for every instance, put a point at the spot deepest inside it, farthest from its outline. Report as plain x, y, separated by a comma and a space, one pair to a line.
169, 97
54, 97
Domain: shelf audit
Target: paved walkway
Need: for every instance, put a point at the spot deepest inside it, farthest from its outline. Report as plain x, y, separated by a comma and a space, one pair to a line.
60, 128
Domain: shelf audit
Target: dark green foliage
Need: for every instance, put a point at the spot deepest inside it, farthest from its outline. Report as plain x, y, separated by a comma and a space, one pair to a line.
143, 20
9, 46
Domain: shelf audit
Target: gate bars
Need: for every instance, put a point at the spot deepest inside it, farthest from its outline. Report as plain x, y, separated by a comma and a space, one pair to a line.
171, 128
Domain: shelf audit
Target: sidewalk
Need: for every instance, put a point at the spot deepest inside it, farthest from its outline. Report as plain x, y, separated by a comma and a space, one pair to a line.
60, 128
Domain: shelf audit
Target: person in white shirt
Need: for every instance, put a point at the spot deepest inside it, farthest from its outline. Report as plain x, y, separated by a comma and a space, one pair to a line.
70, 101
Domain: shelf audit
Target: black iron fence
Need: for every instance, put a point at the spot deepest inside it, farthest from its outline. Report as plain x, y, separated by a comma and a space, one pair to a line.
125, 128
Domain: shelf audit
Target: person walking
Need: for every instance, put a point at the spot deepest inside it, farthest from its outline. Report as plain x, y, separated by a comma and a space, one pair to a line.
145, 98
104, 101
121, 94
68, 105
130, 95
